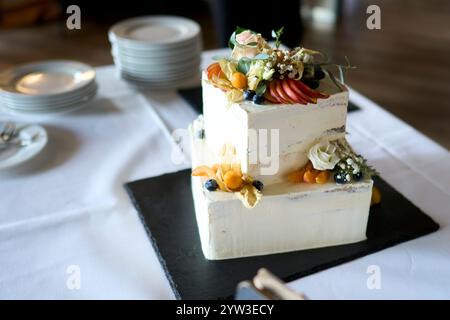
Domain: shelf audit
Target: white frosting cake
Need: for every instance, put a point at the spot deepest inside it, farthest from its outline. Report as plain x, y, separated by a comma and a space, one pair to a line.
272, 170
289, 216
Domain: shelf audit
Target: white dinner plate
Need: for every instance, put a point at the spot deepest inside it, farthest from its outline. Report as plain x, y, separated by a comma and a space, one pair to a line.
157, 78
163, 71
149, 60
42, 98
53, 109
60, 99
190, 82
45, 79
182, 60
157, 72
155, 31
159, 52
158, 83
12, 157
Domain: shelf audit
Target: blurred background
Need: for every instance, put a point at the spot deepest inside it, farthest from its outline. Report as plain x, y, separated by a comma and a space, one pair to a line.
405, 66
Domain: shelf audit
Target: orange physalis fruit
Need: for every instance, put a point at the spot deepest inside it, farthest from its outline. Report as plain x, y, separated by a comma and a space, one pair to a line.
309, 166
310, 176
376, 196
213, 70
296, 176
323, 177
239, 80
233, 180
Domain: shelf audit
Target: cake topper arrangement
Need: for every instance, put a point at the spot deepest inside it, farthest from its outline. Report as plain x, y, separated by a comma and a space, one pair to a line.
263, 73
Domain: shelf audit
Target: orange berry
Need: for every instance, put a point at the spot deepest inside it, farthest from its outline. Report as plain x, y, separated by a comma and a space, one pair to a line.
212, 69
323, 177
239, 80
233, 180
296, 176
376, 196
309, 166
310, 176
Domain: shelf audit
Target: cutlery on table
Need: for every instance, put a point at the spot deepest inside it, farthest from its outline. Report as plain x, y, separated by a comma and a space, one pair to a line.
9, 131
19, 142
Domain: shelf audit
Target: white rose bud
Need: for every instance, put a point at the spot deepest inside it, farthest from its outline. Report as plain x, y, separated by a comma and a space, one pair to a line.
323, 155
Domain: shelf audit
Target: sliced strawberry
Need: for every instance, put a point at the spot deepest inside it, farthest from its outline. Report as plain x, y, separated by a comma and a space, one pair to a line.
273, 92
310, 92
295, 94
305, 97
269, 97
287, 90
281, 93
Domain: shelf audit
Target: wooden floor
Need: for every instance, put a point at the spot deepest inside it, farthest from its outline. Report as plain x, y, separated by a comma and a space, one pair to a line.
405, 66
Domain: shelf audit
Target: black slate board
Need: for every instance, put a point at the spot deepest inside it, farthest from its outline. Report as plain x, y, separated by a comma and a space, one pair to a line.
193, 97
166, 208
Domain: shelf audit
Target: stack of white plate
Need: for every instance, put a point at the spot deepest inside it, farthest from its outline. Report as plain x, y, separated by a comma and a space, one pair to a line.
156, 51
57, 86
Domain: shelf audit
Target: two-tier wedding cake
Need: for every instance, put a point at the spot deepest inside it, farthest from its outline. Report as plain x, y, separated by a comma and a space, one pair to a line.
272, 170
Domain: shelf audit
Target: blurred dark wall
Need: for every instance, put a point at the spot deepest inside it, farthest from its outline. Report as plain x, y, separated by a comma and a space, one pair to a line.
225, 15
258, 16
128, 8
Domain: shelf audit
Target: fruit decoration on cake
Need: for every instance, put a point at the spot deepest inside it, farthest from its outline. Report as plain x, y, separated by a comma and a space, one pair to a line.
332, 160
267, 74
227, 176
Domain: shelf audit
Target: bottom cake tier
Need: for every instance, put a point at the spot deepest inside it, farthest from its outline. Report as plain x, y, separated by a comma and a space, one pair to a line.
288, 217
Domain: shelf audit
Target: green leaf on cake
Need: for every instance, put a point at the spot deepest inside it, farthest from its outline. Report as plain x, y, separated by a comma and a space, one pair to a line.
261, 88
244, 65
277, 35
261, 56
218, 58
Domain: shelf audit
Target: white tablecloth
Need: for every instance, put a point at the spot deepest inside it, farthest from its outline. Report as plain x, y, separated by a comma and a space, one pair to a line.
67, 210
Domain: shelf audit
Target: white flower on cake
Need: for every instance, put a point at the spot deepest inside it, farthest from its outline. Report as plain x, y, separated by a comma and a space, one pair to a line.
255, 74
323, 155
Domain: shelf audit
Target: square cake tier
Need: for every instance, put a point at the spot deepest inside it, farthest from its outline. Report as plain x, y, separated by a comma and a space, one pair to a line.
251, 128
289, 216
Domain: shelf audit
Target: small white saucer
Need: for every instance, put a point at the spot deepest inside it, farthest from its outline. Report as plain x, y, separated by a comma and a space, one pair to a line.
17, 155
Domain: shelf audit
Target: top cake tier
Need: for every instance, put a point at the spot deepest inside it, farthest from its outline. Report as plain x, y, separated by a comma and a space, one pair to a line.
272, 140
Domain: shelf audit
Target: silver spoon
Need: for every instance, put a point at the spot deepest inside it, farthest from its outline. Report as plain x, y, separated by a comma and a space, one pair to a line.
8, 132
19, 143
